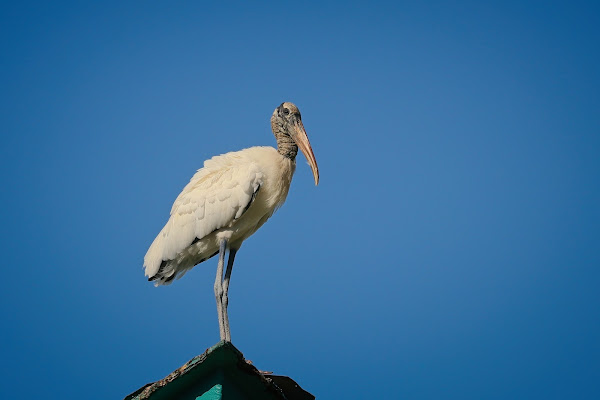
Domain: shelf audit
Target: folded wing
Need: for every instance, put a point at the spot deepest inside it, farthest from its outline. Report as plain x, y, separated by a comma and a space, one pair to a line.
217, 195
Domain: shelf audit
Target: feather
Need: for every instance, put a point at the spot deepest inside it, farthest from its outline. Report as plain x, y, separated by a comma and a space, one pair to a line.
217, 196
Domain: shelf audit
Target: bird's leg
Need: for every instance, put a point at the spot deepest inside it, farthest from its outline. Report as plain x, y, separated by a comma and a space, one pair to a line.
225, 298
219, 287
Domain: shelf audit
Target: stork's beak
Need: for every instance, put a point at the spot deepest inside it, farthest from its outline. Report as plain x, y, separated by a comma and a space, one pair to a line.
302, 141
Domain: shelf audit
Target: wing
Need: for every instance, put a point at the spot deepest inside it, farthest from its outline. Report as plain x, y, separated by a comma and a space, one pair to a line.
215, 197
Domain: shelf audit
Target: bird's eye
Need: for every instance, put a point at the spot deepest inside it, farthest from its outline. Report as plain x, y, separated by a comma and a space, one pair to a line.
286, 111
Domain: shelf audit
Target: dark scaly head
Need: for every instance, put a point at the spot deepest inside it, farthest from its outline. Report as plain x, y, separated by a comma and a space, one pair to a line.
289, 131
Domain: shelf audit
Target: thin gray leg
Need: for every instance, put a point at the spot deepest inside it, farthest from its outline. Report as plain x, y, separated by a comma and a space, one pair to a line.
219, 287
225, 297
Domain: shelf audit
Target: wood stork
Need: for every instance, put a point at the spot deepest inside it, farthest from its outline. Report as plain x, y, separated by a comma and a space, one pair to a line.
224, 203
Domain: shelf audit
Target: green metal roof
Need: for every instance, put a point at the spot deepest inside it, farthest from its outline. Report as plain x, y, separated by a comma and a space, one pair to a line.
221, 373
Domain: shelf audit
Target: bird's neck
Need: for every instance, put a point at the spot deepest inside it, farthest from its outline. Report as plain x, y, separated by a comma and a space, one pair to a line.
285, 144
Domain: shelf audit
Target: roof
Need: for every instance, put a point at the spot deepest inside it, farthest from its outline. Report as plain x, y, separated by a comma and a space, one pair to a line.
221, 368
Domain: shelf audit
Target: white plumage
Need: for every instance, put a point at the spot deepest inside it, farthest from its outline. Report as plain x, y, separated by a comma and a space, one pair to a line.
225, 202
231, 197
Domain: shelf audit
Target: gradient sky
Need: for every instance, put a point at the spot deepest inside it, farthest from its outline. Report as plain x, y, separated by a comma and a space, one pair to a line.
451, 249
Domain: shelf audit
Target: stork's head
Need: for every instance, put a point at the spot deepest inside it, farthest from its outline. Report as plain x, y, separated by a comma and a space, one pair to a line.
289, 130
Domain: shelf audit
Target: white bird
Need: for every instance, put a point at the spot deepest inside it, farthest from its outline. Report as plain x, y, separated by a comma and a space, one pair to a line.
225, 202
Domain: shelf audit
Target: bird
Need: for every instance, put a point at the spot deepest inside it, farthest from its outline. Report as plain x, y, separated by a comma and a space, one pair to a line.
224, 203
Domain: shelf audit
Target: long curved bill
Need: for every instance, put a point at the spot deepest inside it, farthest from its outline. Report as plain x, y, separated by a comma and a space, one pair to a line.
304, 145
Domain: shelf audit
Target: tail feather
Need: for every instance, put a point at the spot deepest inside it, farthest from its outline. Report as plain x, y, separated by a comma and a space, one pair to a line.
170, 270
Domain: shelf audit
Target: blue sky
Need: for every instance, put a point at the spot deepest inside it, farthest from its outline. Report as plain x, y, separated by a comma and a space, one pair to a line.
450, 251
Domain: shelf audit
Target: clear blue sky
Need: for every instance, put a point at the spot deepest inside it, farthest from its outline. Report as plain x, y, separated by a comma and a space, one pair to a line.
451, 250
